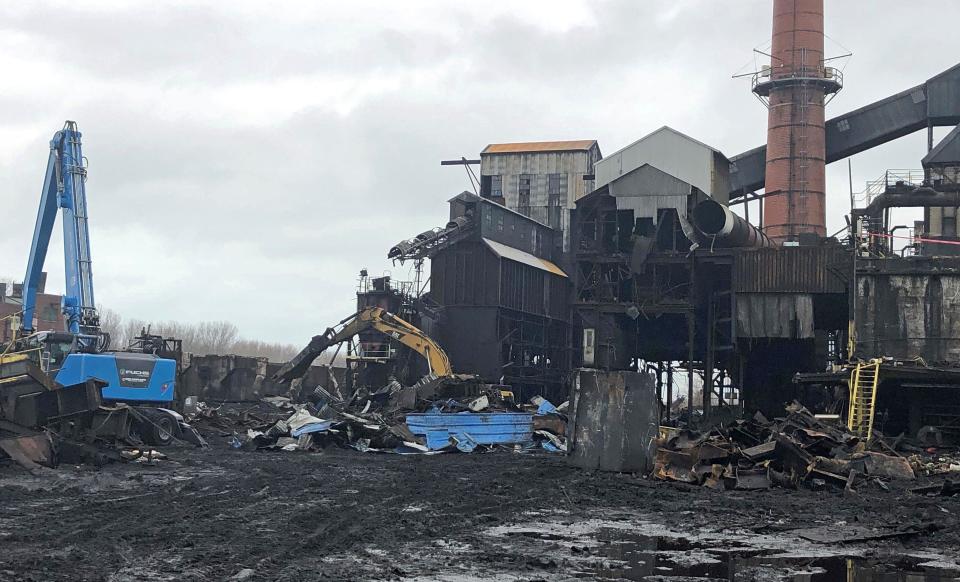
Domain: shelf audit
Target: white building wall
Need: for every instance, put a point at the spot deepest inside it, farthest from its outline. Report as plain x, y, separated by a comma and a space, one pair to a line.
674, 153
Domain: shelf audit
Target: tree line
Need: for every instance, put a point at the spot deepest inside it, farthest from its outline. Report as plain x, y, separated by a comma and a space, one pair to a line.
202, 338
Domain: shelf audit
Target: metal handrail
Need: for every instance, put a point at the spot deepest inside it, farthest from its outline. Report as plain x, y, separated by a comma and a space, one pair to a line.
909, 177
826, 73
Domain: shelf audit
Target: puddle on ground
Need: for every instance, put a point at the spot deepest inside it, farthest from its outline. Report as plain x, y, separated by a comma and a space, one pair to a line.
625, 555
636, 547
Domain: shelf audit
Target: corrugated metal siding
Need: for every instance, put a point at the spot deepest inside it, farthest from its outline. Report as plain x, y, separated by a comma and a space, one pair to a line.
669, 151
775, 315
792, 270
470, 274
560, 289
571, 165
523, 287
467, 274
503, 226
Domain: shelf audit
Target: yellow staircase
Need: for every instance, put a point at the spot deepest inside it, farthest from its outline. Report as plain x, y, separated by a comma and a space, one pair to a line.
863, 398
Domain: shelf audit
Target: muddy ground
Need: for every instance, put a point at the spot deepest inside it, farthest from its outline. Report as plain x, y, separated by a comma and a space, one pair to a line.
219, 513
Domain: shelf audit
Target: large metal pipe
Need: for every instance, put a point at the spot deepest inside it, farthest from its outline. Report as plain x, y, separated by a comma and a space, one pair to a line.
922, 197
727, 230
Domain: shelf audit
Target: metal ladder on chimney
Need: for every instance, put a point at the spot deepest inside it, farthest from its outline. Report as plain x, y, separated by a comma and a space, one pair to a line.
863, 398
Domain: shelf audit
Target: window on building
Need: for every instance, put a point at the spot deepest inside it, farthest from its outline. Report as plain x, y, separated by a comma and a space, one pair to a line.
554, 191
49, 313
491, 186
555, 217
949, 226
523, 193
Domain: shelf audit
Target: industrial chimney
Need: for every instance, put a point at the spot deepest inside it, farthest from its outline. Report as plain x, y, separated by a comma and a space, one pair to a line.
795, 87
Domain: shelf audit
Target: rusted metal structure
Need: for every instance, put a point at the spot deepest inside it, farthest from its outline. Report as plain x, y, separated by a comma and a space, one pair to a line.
498, 297
795, 86
377, 358
739, 321
667, 278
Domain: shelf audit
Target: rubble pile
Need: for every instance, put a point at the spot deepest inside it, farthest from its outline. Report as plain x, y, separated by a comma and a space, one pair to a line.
43, 423
436, 415
798, 450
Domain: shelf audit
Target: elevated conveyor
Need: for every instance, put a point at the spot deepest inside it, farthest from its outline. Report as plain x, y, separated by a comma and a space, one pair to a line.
934, 103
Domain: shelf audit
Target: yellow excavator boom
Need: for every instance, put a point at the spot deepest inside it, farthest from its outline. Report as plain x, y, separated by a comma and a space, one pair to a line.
370, 318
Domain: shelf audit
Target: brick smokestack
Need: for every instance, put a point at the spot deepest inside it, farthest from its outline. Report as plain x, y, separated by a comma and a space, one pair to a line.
795, 89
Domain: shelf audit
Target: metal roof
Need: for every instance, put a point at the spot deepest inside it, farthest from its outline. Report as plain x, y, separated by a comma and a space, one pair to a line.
466, 196
947, 151
671, 152
540, 146
665, 129
505, 252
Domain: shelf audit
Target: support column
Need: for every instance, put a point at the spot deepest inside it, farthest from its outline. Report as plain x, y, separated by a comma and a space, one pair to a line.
669, 388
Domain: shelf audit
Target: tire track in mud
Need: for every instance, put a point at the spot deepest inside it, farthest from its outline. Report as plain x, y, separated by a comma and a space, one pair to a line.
344, 515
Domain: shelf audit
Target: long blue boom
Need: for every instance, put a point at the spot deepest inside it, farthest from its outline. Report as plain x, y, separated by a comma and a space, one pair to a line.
64, 188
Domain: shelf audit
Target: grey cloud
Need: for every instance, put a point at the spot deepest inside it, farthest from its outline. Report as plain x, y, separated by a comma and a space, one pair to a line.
267, 223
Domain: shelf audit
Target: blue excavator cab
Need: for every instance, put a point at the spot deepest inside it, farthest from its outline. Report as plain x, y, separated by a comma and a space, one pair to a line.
130, 377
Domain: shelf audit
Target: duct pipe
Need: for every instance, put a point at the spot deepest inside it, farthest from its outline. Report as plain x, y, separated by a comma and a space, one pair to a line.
922, 197
727, 230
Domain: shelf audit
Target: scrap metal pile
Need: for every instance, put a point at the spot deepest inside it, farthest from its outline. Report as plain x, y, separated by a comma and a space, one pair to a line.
438, 415
798, 450
43, 423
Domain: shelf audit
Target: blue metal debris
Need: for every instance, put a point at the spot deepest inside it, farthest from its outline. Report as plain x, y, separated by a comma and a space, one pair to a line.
552, 448
466, 430
546, 407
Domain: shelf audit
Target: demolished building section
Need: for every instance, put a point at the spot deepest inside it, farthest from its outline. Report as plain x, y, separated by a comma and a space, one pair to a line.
500, 279
659, 281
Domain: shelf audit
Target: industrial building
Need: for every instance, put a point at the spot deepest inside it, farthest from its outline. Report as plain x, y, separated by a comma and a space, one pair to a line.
656, 271
498, 297
540, 180
47, 316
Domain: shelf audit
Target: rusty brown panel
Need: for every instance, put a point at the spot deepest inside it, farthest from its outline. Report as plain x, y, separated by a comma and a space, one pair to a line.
792, 270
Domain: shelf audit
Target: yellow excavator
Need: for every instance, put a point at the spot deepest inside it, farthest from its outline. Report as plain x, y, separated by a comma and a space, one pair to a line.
370, 318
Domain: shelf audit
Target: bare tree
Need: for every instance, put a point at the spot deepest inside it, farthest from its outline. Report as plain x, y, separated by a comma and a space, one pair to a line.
275, 352
218, 337
182, 331
130, 329
205, 337
111, 322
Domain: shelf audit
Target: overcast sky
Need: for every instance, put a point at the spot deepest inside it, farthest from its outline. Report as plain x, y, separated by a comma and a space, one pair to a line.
247, 159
